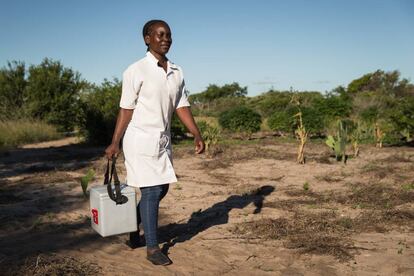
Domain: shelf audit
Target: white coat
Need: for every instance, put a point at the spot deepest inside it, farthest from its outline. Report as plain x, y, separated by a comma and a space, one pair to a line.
154, 95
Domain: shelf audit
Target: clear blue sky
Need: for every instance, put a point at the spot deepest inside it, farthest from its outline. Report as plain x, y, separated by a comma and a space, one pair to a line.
309, 45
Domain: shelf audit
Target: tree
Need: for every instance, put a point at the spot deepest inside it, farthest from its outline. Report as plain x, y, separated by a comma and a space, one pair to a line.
403, 117
100, 106
270, 102
12, 86
52, 94
214, 93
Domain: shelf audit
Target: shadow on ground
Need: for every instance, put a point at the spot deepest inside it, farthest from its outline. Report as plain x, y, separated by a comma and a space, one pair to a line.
33, 160
215, 215
41, 193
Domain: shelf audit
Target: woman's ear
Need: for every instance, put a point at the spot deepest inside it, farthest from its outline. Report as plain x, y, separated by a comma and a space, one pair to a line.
147, 39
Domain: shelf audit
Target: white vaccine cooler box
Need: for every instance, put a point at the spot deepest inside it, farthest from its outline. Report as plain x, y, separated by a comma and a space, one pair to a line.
109, 218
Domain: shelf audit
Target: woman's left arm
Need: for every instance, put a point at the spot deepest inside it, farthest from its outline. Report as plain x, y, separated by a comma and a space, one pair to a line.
186, 117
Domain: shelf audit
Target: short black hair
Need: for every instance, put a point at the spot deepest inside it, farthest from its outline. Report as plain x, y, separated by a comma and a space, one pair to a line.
146, 30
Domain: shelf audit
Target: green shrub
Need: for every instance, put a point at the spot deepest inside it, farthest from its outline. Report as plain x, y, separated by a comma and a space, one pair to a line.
100, 107
52, 94
281, 121
240, 119
24, 131
313, 120
402, 117
178, 130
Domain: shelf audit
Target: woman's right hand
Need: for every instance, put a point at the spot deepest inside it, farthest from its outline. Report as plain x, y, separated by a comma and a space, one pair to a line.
112, 151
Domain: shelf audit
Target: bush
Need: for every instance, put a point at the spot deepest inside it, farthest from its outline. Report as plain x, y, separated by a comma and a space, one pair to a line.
52, 94
100, 107
402, 117
240, 119
19, 132
281, 121
313, 120
178, 130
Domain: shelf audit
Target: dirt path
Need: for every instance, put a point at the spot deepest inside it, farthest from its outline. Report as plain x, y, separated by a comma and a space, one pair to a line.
244, 212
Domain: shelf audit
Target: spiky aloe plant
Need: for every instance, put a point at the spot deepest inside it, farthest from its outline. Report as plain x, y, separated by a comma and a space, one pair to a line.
211, 136
338, 143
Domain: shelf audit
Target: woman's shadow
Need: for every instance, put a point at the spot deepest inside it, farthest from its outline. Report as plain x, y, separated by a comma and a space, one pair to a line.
217, 214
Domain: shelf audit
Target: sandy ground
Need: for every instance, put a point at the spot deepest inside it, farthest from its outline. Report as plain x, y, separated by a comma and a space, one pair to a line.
245, 211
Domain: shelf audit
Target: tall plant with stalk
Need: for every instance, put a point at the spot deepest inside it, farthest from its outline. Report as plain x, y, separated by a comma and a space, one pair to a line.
379, 135
356, 131
300, 132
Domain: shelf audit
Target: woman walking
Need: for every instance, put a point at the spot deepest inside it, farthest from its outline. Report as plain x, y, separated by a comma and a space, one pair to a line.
153, 89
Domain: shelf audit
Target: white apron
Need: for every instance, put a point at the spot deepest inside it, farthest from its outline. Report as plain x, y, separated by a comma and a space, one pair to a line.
148, 158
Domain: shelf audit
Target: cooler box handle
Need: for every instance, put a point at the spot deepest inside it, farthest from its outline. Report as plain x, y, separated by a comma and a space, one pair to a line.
115, 196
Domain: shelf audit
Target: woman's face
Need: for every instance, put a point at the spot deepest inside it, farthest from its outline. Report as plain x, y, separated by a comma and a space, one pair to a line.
159, 39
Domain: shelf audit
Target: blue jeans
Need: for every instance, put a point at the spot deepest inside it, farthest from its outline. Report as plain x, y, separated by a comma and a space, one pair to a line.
147, 211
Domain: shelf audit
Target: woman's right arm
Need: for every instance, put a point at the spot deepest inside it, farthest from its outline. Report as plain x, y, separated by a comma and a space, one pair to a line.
124, 117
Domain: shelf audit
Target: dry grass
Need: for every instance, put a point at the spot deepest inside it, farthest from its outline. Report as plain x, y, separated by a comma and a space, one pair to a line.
18, 132
398, 158
233, 154
324, 159
329, 178
373, 195
55, 265
317, 233
325, 232
383, 220
379, 170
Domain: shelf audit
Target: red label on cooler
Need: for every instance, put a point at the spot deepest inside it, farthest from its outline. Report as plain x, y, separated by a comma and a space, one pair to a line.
95, 216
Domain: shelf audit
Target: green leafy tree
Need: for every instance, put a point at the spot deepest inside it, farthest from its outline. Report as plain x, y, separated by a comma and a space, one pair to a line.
270, 102
403, 117
334, 105
378, 99
100, 107
208, 99
52, 94
214, 92
313, 119
12, 86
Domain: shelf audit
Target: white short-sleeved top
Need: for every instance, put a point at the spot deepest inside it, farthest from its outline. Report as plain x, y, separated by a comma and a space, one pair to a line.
154, 95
